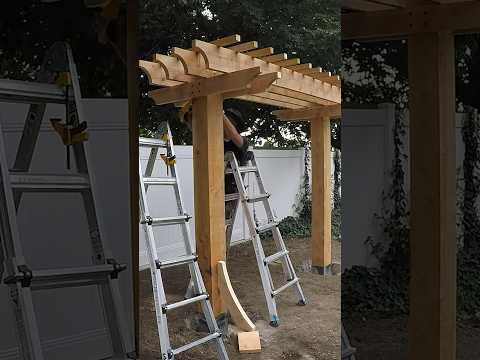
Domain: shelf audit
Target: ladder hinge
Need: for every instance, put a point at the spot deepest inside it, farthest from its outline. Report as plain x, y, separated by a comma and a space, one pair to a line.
25, 278
158, 264
187, 217
164, 309
148, 220
117, 268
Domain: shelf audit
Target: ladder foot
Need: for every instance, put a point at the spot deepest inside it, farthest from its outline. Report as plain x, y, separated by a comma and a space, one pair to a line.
302, 302
275, 323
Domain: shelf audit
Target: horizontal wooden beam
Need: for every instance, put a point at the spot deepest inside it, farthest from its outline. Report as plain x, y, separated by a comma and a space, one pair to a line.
365, 5
155, 74
247, 46
260, 52
457, 17
288, 62
271, 102
172, 67
300, 67
259, 85
225, 60
276, 57
227, 40
202, 87
332, 112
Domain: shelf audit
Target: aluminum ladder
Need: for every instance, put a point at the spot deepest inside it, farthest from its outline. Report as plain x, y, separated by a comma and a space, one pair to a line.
241, 196
198, 292
19, 277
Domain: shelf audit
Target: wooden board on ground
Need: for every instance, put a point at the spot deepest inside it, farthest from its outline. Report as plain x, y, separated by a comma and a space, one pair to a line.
249, 342
230, 300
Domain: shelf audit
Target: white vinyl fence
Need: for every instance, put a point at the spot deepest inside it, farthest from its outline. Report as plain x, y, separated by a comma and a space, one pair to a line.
281, 171
54, 232
367, 154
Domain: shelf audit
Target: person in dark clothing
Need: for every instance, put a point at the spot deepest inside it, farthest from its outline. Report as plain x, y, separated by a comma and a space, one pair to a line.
232, 141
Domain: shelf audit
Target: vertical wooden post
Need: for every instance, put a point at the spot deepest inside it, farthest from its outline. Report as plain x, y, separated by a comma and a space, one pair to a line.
321, 195
432, 333
208, 166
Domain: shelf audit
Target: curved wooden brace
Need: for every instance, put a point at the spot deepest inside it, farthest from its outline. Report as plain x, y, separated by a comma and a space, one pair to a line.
155, 74
173, 67
239, 316
194, 63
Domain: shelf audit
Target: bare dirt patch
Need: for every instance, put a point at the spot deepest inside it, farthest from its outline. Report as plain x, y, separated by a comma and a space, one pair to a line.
306, 333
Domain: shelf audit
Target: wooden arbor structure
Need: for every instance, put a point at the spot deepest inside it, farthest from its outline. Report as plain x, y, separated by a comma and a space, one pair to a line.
207, 74
430, 27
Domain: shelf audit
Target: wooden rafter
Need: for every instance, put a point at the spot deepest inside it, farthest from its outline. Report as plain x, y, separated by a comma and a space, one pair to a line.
294, 85
333, 111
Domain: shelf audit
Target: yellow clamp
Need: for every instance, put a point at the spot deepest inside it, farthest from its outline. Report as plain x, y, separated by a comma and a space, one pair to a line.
63, 79
164, 137
169, 160
70, 136
184, 108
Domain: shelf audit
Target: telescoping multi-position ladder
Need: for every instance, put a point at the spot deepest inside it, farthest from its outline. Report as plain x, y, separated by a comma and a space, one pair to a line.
21, 279
241, 196
198, 293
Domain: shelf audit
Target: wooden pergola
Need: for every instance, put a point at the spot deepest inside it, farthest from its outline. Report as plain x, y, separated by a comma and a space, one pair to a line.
225, 68
430, 27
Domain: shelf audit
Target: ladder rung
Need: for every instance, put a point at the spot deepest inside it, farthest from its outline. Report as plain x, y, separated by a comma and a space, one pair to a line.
173, 306
68, 277
276, 256
242, 169
232, 197
173, 220
28, 91
286, 286
267, 227
150, 142
198, 342
49, 182
259, 197
159, 180
176, 262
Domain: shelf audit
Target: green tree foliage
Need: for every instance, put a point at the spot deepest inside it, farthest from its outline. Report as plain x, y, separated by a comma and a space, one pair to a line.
309, 29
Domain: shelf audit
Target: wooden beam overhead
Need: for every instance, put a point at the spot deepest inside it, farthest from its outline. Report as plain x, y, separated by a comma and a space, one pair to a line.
365, 5
456, 17
155, 74
193, 62
260, 52
203, 87
288, 62
276, 57
309, 71
247, 46
228, 40
259, 85
225, 60
300, 67
271, 102
172, 67
309, 114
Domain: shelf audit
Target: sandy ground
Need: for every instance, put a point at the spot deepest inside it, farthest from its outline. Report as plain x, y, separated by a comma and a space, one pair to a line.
386, 339
308, 332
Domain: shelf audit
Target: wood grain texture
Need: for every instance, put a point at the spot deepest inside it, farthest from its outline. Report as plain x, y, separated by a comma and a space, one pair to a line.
432, 323
321, 193
208, 167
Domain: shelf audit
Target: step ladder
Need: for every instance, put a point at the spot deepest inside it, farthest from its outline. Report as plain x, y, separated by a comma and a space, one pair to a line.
198, 293
348, 352
241, 195
21, 279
